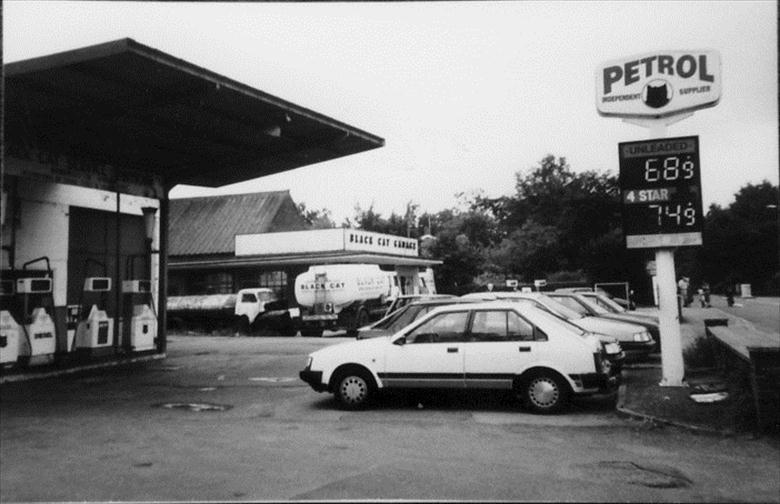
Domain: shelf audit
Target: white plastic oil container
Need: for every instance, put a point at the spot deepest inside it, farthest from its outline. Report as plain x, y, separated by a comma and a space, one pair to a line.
95, 331
10, 334
143, 328
40, 343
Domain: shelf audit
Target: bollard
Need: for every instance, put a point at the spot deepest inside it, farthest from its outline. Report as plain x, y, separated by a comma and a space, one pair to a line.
745, 291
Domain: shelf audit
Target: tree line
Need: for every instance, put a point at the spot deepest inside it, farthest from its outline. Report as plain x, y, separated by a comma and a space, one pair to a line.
564, 226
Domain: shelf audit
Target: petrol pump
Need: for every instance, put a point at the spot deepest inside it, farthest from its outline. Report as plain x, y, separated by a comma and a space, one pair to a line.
95, 328
10, 330
38, 342
137, 304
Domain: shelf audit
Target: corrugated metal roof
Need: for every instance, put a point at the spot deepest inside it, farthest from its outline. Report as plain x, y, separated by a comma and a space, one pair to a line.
208, 225
134, 107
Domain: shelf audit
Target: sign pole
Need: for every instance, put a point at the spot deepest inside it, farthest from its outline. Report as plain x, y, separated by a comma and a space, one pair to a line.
672, 365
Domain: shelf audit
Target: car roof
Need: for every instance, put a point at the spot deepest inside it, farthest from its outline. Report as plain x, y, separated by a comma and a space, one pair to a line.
501, 294
442, 301
425, 296
478, 305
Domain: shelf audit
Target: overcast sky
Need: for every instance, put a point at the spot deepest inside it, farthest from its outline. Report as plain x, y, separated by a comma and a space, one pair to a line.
465, 94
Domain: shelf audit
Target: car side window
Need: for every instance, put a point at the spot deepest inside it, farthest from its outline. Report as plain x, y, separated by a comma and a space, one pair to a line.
489, 325
519, 329
248, 297
443, 328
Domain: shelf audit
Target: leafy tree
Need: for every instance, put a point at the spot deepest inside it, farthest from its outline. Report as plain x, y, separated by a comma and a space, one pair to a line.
399, 225
457, 244
558, 220
741, 241
316, 218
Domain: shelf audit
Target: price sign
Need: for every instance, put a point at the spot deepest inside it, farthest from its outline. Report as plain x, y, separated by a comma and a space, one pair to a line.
660, 184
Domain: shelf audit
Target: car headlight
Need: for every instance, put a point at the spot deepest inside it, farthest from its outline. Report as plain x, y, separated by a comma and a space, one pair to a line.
642, 336
612, 348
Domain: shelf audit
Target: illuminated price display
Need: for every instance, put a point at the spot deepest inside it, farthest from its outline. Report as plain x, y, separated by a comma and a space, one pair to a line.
660, 184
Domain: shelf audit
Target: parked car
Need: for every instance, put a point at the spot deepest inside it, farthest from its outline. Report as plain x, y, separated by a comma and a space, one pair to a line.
609, 304
583, 303
404, 316
623, 303
614, 352
618, 312
405, 299
491, 345
635, 340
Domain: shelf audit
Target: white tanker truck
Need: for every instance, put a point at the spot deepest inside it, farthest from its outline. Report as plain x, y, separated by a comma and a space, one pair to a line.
342, 296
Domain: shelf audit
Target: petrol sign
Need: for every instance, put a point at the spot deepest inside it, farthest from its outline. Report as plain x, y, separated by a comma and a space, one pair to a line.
658, 84
660, 185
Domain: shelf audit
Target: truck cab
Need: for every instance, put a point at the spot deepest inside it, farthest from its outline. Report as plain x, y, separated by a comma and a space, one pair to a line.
251, 303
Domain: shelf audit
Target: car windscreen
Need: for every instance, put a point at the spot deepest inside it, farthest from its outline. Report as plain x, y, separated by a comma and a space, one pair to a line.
403, 318
561, 320
384, 322
572, 304
593, 305
551, 317
607, 303
560, 309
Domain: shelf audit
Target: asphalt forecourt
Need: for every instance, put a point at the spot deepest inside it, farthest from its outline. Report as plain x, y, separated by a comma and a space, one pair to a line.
228, 419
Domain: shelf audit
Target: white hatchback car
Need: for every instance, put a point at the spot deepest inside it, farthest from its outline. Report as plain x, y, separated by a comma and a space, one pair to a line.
495, 345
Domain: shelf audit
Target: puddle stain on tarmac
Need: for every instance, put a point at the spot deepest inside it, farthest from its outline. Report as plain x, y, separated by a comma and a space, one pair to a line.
271, 379
197, 407
648, 475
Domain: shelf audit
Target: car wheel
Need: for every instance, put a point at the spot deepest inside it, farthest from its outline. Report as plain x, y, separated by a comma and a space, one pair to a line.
544, 392
354, 388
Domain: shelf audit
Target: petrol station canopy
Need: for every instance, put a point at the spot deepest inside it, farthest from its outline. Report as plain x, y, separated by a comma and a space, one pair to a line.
134, 107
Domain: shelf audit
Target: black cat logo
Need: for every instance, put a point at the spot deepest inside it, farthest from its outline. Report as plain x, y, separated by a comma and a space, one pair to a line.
657, 93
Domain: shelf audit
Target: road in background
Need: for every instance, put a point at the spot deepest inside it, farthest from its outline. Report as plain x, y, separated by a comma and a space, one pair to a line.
762, 312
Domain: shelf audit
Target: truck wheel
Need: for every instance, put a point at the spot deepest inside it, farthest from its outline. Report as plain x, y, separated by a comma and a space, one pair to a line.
543, 392
362, 318
354, 388
317, 333
242, 325
288, 329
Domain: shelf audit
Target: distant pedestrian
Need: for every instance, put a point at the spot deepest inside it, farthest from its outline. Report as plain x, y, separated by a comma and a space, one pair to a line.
631, 302
706, 292
682, 290
730, 295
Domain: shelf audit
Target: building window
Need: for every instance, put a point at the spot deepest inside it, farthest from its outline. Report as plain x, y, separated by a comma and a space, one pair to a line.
217, 283
275, 280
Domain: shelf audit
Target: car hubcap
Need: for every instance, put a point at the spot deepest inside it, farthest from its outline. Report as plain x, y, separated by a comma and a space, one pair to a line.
353, 389
543, 392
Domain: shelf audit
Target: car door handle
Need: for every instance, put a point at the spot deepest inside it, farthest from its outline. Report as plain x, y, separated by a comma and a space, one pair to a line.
525, 349
452, 350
